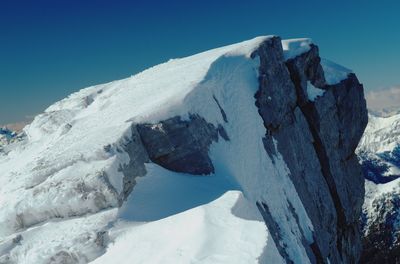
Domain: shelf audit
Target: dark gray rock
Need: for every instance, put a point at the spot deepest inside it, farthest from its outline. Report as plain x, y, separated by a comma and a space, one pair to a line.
276, 103
306, 67
295, 143
133, 146
339, 119
181, 145
317, 141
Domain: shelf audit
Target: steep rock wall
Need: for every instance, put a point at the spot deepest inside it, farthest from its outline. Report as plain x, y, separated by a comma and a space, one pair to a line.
317, 139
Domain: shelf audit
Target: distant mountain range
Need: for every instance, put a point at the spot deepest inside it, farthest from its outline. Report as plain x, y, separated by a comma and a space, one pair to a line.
379, 154
385, 112
17, 126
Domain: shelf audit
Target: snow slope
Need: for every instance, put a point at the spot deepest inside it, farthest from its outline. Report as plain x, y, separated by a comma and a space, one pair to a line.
227, 230
334, 73
61, 187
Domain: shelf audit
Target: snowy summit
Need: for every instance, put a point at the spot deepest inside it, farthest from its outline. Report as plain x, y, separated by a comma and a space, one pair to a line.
193, 161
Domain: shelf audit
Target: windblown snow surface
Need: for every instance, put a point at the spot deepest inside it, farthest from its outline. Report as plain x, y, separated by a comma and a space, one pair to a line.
61, 185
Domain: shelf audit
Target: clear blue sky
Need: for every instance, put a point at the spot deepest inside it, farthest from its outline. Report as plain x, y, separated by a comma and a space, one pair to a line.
49, 49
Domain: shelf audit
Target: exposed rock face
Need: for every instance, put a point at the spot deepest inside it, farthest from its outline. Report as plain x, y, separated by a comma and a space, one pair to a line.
317, 140
135, 168
175, 144
180, 145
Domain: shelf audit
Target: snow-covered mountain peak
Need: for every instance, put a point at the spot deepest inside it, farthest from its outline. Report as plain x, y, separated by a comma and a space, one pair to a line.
119, 164
168, 85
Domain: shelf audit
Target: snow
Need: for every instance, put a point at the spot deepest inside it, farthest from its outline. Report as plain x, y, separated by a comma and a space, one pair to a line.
377, 193
75, 236
227, 230
294, 47
176, 192
313, 92
233, 81
334, 73
381, 135
6, 136
60, 187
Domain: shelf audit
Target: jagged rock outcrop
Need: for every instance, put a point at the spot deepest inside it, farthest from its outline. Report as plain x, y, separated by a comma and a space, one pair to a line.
175, 144
181, 145
137, 158
317, 140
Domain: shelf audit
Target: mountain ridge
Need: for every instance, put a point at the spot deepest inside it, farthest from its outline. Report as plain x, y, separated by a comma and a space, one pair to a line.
90, 165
